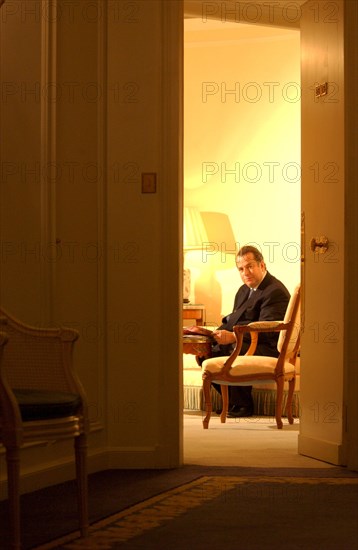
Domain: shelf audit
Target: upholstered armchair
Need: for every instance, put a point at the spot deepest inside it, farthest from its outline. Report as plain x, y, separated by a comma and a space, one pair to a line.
250, 369
41, 399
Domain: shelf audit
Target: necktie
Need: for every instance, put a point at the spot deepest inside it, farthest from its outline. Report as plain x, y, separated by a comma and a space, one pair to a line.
250, 293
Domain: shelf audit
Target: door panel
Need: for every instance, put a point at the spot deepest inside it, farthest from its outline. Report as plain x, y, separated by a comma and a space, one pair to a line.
323, 215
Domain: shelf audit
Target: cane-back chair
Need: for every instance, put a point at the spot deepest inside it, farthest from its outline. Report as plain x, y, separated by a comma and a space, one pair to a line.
41, 399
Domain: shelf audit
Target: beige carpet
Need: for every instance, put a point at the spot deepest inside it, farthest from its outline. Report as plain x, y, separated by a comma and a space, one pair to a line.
248, 442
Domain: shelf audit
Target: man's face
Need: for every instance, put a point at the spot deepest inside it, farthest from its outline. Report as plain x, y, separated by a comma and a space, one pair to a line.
250, 270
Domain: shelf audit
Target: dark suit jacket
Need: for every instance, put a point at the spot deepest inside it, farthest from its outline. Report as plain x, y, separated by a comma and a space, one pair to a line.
268, 303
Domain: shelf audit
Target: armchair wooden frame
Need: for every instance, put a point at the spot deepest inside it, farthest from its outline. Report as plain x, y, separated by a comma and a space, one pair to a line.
38, 361
251, 369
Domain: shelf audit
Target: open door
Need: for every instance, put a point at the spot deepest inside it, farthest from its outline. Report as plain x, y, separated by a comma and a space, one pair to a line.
324, 188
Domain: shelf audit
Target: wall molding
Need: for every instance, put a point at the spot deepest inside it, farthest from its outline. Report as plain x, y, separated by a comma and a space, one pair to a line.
325, 450
48, 159
44, 474
171, 182
102, 160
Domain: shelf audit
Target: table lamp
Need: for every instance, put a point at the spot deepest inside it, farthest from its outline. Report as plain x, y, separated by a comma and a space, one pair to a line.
220, 239
194, 238
218, 255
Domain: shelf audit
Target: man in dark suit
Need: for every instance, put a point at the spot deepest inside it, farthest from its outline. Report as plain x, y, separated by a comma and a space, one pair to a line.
262, 297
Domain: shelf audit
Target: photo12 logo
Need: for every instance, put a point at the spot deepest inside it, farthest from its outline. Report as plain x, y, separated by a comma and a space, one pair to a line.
252, 172
250, 92
270, 12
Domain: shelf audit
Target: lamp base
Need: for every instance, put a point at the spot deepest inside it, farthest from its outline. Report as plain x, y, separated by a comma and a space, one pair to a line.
186, 285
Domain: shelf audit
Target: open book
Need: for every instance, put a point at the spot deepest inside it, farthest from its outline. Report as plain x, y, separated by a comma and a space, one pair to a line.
196, 331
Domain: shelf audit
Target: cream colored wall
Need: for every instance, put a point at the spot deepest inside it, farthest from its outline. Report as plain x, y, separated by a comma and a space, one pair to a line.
242, 149
81, 244
51, 196
21, 189
143, 282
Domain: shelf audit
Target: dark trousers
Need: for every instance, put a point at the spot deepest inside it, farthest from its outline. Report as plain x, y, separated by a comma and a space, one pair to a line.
239, 396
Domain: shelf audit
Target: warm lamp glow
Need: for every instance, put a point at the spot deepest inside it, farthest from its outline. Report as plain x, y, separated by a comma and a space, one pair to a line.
212, 234
194, 239
194, 231
221, 240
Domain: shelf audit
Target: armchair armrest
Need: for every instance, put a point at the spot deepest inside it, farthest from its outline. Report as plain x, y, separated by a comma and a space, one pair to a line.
254, 329
253, 344
264, 326
261, 326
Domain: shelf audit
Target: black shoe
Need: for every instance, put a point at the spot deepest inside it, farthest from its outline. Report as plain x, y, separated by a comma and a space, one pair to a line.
239, 412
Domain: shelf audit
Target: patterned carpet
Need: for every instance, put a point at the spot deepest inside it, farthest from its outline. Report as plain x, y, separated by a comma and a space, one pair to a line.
234, 512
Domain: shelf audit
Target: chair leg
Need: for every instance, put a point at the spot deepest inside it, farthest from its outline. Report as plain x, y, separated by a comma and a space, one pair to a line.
13, 481
82, 482
291, 389
208, 404
225, 400
279, 399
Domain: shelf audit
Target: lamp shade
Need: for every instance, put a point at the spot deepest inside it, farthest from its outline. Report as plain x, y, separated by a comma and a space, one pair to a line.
194, 230
218, 230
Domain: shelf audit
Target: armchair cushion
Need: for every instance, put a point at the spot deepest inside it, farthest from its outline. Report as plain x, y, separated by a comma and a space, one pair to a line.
43, 404
251, 365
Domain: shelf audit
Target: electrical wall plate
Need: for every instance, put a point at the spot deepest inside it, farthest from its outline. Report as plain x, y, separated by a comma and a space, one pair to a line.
149, 182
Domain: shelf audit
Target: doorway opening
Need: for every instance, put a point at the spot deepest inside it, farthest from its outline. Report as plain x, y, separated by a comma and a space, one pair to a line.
241, 161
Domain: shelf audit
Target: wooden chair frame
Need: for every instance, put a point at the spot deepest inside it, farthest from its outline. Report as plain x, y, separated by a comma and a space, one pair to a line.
287, 353
41, 359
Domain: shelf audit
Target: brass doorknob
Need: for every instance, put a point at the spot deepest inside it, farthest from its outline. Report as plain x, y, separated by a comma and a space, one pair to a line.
319, 244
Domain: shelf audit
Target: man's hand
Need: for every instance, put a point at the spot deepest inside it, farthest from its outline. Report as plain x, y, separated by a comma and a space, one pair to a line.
224, 337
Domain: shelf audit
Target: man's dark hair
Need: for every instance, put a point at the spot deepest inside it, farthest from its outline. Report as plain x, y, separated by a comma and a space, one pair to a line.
251, 249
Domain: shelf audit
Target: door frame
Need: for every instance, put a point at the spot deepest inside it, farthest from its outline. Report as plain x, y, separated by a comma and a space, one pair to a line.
349, 374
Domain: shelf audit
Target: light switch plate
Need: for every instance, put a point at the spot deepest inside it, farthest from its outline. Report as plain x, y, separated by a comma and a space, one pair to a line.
149, 182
